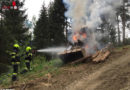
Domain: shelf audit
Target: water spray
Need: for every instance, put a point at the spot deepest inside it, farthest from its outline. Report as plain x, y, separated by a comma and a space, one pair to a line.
53, 50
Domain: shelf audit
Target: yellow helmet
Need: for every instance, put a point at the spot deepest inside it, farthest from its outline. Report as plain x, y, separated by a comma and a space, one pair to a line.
28, 48
16, 45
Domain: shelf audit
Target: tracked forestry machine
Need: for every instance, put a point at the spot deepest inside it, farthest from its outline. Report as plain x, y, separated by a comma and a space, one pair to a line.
78, 51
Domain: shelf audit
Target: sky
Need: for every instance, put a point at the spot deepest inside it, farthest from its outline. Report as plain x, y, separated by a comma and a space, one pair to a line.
34, 6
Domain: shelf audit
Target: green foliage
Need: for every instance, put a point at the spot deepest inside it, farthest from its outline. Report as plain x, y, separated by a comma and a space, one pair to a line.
4, 35
4, 68
123, 12
4, 77
49, 29
41, 33
128, 41
12, 28
120, 48
57, 22
40, 67
14, 22
110, 33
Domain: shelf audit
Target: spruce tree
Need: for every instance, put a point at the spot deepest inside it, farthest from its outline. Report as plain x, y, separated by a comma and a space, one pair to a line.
15, 22
57, 22
12, 28
41, 33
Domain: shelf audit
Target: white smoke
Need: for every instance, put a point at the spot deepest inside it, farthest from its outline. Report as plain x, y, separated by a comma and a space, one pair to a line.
89, 13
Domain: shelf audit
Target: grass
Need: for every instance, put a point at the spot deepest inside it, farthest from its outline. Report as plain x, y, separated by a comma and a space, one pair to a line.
119, 49
40, 67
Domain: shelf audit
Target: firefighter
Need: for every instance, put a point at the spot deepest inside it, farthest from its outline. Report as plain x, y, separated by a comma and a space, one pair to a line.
28, 58
15, 60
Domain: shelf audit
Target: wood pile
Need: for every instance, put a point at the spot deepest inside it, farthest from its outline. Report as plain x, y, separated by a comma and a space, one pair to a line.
100, 55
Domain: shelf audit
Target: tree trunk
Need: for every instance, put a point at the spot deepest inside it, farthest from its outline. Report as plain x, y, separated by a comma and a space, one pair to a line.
123, 22
119, 40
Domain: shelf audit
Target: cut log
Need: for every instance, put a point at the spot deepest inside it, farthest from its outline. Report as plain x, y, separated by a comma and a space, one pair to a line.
105, 55
95, 55
102, 55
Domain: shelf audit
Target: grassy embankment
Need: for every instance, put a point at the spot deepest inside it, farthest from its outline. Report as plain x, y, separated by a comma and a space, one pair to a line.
40, 67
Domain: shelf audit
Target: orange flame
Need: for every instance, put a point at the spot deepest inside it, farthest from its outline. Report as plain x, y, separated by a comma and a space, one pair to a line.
84, 35
79, 36
75, 38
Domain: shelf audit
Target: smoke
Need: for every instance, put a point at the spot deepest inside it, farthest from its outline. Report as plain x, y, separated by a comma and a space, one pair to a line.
90, 14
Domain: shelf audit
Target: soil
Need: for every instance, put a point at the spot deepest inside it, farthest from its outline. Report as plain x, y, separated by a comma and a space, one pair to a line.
112, 74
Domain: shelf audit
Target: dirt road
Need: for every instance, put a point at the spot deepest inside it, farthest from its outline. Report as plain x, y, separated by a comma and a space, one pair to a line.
113, 74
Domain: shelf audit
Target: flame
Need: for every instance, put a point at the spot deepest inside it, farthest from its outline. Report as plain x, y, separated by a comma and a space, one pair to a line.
84, 35
79, 36
75, 38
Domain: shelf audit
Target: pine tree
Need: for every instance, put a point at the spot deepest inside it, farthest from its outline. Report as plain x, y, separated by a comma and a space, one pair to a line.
123, 13
41, 33
12, 28
110, 32
15, 22
57, 22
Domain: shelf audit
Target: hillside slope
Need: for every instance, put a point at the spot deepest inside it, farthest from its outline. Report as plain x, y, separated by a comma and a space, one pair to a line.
113, 74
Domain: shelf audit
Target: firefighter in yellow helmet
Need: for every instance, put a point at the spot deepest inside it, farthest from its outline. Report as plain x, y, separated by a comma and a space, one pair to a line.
15, 60
28, 57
